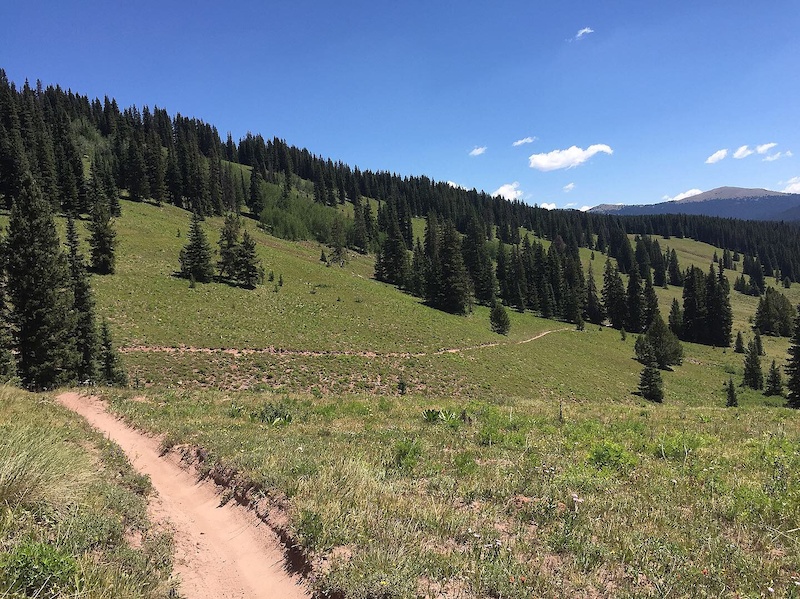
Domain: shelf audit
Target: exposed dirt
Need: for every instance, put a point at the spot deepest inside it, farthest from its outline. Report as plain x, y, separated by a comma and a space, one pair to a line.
221, 551
277, 351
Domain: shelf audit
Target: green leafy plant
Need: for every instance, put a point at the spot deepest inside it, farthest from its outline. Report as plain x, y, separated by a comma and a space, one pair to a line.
38, 570
272, 414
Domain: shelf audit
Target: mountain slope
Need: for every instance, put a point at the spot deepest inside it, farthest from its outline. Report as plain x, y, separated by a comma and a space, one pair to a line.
725, 202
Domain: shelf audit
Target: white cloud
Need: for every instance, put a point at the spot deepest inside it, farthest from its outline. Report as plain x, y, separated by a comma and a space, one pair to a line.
742, 152
568, 158
455, 185
686, 194
524, 140
477, 151
717, 156
568, 187
509, 191
547, 206
585, 208
570, 205
776, 155
792, 185
583, 32
764, 148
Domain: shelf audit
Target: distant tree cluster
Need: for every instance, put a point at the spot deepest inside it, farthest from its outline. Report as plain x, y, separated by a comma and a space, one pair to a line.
706, 315
775, 314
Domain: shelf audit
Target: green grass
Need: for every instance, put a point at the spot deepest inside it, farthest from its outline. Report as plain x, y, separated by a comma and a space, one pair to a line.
70, 506
678, 499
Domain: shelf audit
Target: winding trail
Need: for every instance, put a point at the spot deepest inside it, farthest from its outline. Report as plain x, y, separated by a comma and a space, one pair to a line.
277, 351
221, 552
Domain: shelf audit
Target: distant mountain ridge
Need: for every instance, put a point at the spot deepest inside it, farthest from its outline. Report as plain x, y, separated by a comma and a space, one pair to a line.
725, 202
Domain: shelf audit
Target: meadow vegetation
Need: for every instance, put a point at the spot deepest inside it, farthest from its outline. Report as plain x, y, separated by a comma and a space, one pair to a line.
73, 513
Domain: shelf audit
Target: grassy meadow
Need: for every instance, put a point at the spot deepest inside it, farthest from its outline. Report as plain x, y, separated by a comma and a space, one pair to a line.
73, 514
418, 454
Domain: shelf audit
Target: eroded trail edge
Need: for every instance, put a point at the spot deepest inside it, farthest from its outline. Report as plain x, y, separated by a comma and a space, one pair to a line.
221, 551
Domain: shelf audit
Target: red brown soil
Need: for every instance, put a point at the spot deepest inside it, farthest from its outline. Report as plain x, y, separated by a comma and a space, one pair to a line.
221, 551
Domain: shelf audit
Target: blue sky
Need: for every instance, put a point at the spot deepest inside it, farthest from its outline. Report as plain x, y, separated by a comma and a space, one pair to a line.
611, 102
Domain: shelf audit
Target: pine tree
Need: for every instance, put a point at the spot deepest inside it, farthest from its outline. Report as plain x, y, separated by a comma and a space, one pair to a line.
739, 345
85, 326
758, 343
614, 296
499, 319
248, 266
102, 240
228, 246
8, 367
664, 344
455, 286
651, 386
650, 300
774, 381
111, 369
40, 292
676, 318
753, 377
793, 366
195, 257
594, 309
732, 401
256, 197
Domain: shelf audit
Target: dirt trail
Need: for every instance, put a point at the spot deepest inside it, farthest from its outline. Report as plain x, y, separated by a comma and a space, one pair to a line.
277, 351
220, 552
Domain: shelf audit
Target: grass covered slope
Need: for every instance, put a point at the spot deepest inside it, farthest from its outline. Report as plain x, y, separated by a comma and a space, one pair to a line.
73, 519
516, 499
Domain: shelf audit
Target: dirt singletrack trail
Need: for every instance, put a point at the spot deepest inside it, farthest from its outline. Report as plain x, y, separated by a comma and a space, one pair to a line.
221, 552
277, 351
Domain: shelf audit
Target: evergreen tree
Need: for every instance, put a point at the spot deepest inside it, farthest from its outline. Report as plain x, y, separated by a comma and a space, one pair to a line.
455, 287
635, 301
85, 327
774, 381
416, 283
614, 296
739, 345
228, 246
650, 300
111, 369
256, 201
103, 239
594, 309
499, 319
479, 263
753, 377
793, 366
719, 316
40, 292
732, 401
651, 386
694, 306
195, 257
249, 271
664, 344
433, 275
8, 367
674, 275
775, 314
676, 318
759, 345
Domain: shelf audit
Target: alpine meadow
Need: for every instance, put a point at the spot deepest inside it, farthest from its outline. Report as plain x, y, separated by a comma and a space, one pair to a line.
420, 390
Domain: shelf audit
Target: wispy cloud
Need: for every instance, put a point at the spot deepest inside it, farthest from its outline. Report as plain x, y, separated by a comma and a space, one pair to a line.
717, 156
477, 151
524, 140
792, 185
570, 205
585, 208
568, 187
777, 155
509, 191
569, 158
742, 152
547, 206
583, 33
686, 194
764, 148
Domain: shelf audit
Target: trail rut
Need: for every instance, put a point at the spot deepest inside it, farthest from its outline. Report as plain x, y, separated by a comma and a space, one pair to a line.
221, 552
